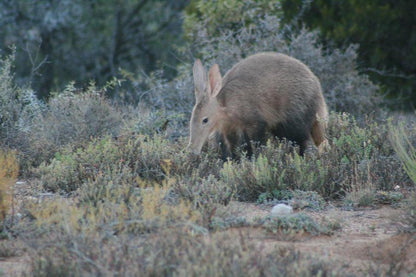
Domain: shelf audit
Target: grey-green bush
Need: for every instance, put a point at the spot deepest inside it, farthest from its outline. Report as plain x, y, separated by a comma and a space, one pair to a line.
73, 117
19, 107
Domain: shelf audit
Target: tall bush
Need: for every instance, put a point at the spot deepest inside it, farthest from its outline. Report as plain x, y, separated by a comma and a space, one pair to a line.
73, 117
19, 107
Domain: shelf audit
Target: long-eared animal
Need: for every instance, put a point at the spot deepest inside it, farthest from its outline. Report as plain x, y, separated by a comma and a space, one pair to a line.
262, 95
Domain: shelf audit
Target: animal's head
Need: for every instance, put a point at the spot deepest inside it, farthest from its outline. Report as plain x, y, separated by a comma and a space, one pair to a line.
205, 114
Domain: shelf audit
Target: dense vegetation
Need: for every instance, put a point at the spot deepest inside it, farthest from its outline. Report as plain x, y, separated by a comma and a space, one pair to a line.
112, 189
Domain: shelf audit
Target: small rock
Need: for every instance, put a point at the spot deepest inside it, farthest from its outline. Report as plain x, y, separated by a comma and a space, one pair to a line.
281, 209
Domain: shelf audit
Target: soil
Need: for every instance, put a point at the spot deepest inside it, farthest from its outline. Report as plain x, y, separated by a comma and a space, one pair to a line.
364, 238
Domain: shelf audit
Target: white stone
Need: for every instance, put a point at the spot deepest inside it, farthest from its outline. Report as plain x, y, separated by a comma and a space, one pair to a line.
281, 209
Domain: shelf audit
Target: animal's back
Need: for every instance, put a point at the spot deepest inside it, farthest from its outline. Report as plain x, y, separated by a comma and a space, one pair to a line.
275, 89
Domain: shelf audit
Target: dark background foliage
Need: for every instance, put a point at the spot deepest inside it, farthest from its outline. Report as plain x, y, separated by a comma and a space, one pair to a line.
61, 41
384, 30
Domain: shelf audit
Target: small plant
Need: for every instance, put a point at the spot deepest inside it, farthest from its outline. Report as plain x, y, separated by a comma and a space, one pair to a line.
410, 207
331, 225
205, 194
9, 248
388, 197
361, 198
291, 224
53, 265
63, 173
309, 200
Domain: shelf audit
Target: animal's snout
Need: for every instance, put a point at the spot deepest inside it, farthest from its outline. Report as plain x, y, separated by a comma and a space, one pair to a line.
194, 150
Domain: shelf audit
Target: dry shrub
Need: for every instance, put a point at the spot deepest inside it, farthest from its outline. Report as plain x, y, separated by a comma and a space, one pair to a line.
9, 170
172, 253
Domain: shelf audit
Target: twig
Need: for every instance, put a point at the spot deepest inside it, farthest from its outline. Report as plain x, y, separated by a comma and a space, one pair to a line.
388, 74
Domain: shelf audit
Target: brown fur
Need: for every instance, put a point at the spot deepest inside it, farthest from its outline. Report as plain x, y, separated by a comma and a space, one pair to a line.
267, 93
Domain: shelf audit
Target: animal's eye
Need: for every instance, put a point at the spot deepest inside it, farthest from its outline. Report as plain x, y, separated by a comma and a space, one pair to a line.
205, 120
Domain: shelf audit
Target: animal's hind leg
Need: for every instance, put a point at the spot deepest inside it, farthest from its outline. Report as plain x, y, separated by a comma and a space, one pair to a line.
229, 144
254, 135
303, 145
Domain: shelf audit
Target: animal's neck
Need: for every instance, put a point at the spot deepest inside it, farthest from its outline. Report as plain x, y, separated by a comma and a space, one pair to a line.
227, 124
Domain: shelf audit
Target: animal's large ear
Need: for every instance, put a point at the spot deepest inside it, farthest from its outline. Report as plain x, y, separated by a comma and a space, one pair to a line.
200, 78
215, 80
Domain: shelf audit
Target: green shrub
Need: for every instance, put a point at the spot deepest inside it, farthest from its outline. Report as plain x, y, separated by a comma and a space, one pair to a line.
357, 158
116, 184
361, 155
274, 170
62, 174
309, 200
142, 155
116, 202
291, 224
